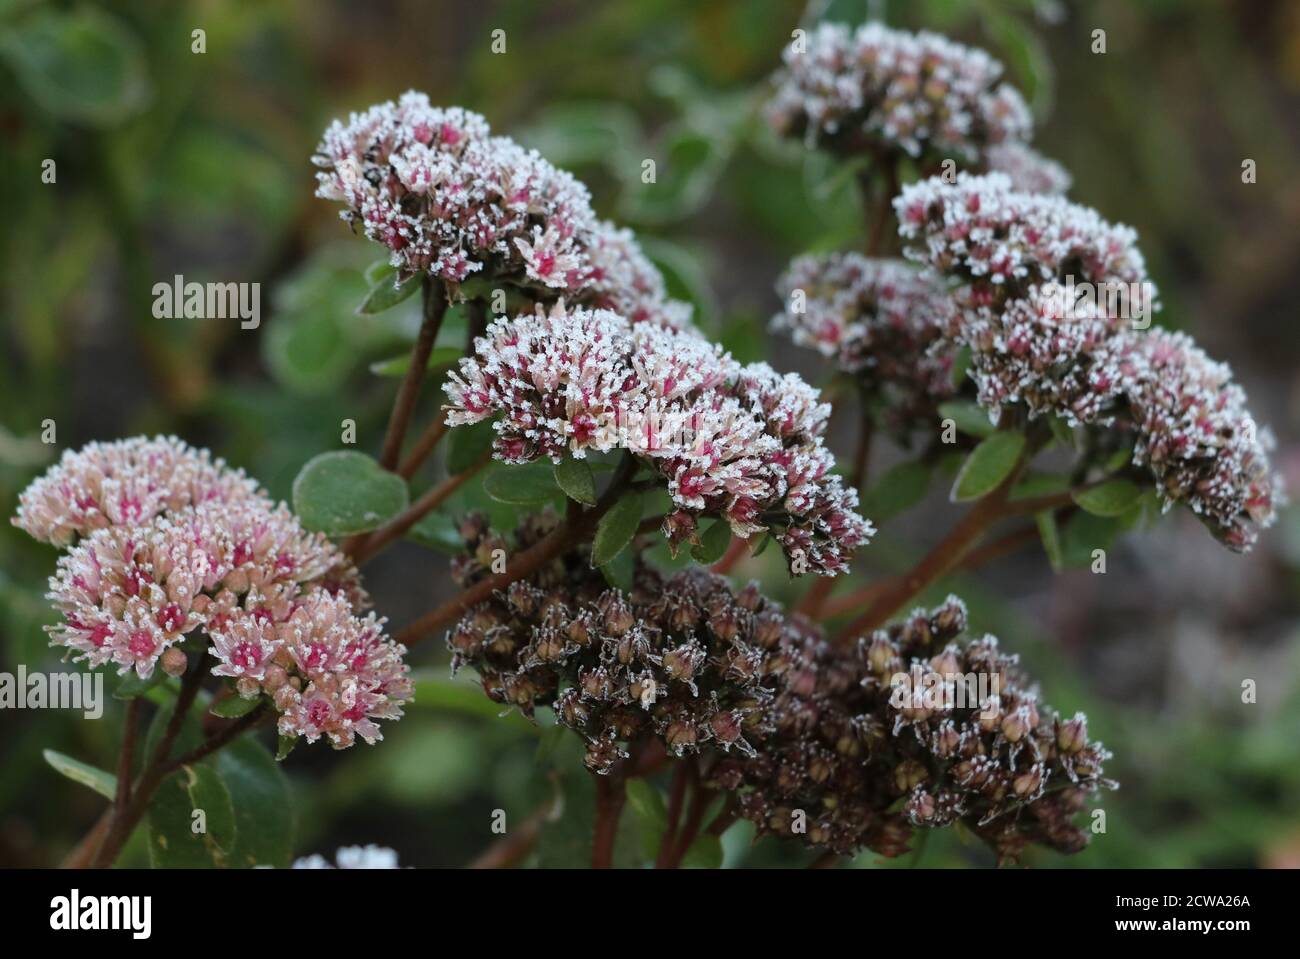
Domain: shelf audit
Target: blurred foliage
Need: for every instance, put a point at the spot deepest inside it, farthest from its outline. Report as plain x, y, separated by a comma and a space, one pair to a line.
174, 162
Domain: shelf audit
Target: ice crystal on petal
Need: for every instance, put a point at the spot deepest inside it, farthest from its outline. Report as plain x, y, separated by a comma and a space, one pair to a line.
853, 91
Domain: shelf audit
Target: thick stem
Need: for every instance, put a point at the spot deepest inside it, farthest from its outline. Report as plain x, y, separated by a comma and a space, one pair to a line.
375, 542
434, 309
563, 537
126, 817
611, 794
126, 758
682, 774
428, 440
940, 560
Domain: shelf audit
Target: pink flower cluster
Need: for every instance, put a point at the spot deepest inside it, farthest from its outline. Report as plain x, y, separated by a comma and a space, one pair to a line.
1027, 169
202, 549
1016, 257
447, 198
125, 483
1198, 438
743, 443
879, 319
873, 88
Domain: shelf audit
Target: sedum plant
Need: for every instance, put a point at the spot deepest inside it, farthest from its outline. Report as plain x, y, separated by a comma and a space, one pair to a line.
845, 722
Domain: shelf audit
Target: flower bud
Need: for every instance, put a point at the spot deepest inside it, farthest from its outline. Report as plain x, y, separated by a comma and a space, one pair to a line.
174, 662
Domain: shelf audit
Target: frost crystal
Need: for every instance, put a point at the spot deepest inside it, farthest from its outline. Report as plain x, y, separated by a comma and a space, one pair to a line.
447, 198
197, 549
743, 443
878, 319
874, 88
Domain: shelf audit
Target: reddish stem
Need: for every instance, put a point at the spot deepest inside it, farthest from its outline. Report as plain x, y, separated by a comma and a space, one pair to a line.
434, 308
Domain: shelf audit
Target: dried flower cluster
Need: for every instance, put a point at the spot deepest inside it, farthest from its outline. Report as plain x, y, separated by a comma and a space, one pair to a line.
874, 89
879, 319
1016, 257
743, 443
448, 198
951, 732
174, 543
806, 733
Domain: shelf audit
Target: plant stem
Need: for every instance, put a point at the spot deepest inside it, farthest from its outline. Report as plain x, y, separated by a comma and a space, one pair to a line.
940, 560
127, 816
568, 534
434, 308
611, 794
373, 543
428, 440
676, 800
218, 739
126, 758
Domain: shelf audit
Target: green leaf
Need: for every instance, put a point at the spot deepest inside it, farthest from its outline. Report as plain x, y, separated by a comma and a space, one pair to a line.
620, 572
574, 476
131, 685
713, 543
899, 487
284, 745
960, 366
84, 65
531, 484
468, 444
705, 853
1111, 498
438, 531
377, 270
970, 418
386, 294
260, 795
178, 839
988, 465
647, 802
232, 707
1086, 532
103, 783
1050, 536
1033, 485
443, 356
344, 492
437, 692
1062, 432
616, 529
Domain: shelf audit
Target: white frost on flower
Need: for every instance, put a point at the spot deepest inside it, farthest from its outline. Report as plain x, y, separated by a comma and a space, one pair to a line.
727, 440
879, 319
352, 857
125, 483
1027, 169
201, 550
1198, 438
851, 90
446, 197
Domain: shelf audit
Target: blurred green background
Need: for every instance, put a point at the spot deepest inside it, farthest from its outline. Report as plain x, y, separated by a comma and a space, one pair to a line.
170, 161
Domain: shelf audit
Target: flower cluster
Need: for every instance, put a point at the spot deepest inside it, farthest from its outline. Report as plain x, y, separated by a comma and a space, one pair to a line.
949, 731
448, 198
879, 319
124, 484
1198, 438
1048, 296
1027, 169
740, 442
352, 857
874, 89
202, 549
805, 733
